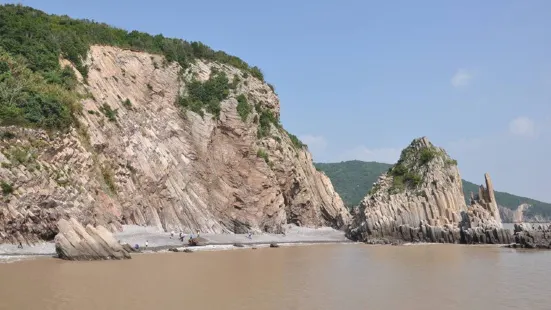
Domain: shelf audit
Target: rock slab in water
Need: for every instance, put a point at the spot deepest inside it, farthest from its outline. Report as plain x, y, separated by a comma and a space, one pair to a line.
74, 242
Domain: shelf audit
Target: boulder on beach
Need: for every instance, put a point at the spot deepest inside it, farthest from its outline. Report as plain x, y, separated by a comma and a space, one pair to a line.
74, 242
238, 245
197, 241
274, 245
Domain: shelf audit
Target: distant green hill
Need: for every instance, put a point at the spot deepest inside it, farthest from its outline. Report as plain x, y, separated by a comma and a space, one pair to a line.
353, 179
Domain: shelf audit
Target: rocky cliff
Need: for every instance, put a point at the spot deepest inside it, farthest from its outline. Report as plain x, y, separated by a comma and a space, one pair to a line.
144, 151
421, 199
519, 215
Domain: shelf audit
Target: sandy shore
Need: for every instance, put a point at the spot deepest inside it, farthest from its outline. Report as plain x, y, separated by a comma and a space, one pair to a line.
160, 240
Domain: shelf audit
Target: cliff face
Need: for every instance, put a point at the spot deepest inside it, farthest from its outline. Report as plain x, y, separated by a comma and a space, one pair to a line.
137, 157
519, 215
421, 199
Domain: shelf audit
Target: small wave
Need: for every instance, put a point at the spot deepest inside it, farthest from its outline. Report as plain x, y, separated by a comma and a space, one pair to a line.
7, 259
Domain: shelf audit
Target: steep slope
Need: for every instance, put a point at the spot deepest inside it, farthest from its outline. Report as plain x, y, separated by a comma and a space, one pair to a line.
352, 179
194, 148
421, 199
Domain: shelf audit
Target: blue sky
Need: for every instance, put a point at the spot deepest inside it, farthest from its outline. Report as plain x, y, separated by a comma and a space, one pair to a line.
361, 80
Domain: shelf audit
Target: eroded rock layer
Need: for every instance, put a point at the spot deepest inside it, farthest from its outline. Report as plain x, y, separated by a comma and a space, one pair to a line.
421, 199
74, 242
138, 157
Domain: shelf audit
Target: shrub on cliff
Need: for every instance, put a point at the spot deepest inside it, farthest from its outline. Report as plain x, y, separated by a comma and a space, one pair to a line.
243, 107
7, 188
262, 154
28, 99
427, 154
266, 118
108, 112
41, 38
295, 140
206, 95
37, 98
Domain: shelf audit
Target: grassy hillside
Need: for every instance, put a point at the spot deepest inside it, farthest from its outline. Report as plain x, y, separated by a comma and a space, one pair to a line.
353, 179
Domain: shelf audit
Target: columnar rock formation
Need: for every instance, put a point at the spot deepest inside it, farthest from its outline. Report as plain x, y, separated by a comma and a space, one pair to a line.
137, 157
421, 199
483, 210
74, 242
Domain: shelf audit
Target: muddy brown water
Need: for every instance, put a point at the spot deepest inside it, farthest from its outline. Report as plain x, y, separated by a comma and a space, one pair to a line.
320, 277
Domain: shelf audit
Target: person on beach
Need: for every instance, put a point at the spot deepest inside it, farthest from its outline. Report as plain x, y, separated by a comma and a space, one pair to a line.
171, 234
146, 244
20, 246
249, 235
197, 233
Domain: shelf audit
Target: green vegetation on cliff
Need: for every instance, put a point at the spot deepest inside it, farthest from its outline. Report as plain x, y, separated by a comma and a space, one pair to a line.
41, 38
30, 99
406, 172
36, 91
354, 179
206, 95
243, 107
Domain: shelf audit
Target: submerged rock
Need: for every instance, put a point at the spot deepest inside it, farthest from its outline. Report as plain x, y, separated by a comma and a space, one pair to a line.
420, 199
74, 242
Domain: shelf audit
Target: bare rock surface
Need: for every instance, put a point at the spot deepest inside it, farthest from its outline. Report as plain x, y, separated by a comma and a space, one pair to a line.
520, 215
421, 199
137, 158
74, 242
532, 236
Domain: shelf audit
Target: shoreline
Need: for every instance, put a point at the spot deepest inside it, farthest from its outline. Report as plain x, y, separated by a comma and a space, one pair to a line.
161, 241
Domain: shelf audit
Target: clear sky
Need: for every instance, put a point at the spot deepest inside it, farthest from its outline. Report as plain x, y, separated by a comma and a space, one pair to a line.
361, 79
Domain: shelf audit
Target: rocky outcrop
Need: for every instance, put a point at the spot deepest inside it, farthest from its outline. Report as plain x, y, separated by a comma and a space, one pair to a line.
520, 215
74, 242
507, 215
137, 157
421, 199
532, 236
483, 210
